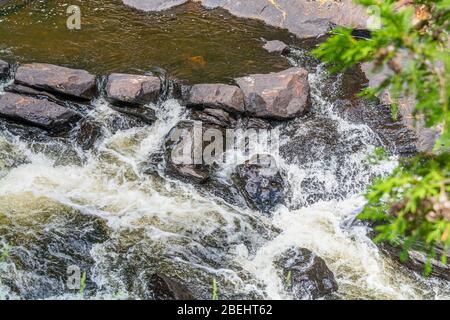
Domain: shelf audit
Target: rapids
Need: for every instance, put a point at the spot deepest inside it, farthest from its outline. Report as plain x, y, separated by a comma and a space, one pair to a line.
104, 212
111, 212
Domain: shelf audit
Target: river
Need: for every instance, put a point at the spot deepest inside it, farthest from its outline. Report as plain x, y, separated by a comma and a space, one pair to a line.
102, 211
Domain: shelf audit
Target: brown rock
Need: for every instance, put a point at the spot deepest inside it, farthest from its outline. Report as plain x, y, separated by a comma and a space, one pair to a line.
227, 97
132, 89
275, 46
282, 95
73, 83
39, 113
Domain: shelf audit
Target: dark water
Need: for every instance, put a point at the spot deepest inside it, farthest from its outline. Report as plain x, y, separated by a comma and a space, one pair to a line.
190, 42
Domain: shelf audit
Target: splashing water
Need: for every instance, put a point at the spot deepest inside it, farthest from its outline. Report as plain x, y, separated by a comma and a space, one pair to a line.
103, 211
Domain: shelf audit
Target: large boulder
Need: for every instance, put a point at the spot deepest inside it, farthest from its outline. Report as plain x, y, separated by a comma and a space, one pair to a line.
38, 113
4, 69
184, 155
305, 275
261, 183
282, 95
73, 83
132, 89
222, 96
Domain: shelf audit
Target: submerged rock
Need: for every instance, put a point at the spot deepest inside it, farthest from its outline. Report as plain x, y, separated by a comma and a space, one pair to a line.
132, 89
306, 275
4, 69
39, 113
88, 133
261, 183
49, 241
165, 288
275, 46
74, 83
282, 95
222, 96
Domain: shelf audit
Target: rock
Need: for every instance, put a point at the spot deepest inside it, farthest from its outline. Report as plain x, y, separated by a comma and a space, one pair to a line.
73, 83
20, 89
256, 123
275, 46
183, 157
306, 275
143, 113
132, 89
260, 183
39, 113
222, 96
215, 116
426, 137
417, 261
304, 18
282, 95
4, 69
88, 133
164, 288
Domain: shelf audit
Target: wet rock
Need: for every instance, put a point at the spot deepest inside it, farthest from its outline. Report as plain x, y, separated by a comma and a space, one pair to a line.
20, 89
142, 113
426, 137
304, 18
39, 113
133, 89
261, 183
306, 275
4, 69
183, 157
165, 288
215, 116
417, 261
88, 133
222, 96
396, 137
73, 83
256, 123
275, 46
282, 95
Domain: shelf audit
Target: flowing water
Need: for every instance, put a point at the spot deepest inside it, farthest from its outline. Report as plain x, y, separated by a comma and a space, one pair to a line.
103, 211
191, 43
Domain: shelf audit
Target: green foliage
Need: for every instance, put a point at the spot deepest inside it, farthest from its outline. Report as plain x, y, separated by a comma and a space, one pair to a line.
378, 155
215, 290
82, 284
410, 208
